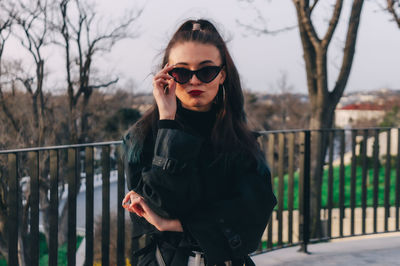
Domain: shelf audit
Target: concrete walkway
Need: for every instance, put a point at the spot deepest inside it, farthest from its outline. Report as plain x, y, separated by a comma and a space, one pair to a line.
382, 249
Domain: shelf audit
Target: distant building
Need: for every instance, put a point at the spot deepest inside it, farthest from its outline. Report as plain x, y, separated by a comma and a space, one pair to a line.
350, 114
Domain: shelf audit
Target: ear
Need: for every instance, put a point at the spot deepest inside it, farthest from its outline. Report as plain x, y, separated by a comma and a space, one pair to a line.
223, 76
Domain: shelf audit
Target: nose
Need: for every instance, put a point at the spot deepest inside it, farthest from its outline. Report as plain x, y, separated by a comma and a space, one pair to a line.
194, 80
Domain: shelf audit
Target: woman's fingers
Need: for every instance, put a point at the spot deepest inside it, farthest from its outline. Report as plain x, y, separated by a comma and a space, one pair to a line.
131, 202
160, 84
126, 199
135, 205
162, 76
164, 93
128, 196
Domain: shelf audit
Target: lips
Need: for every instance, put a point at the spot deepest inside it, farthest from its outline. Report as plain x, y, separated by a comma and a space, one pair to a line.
195, 92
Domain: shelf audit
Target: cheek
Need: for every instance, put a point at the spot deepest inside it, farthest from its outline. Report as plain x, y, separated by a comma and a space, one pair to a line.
180, 92
214, 87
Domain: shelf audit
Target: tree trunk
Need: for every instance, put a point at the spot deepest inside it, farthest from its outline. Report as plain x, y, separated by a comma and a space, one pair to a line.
320, 121
323, 102
63, 225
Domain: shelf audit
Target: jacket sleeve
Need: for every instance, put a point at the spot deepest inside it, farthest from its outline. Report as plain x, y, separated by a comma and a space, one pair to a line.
233, 228
168, 179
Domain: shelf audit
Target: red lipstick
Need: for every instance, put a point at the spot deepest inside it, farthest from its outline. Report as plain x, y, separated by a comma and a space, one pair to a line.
195, 92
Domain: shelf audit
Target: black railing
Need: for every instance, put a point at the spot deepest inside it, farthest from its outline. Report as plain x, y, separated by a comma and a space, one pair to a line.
359, 192
68, 160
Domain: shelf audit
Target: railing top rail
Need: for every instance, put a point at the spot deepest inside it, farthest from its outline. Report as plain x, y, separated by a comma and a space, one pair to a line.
264, 132
326, 129
62, 147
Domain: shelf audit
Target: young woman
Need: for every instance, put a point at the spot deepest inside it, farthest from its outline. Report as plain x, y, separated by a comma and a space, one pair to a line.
200, 190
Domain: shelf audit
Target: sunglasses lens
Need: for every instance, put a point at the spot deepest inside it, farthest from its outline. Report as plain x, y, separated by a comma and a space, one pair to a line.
181, 75
207, 74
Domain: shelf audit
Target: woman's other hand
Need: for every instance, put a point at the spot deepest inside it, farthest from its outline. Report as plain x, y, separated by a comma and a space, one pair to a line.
164, 93
129, 203
133, 202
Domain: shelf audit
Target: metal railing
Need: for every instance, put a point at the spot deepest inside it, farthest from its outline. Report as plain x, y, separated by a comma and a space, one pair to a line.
349, 203
71, 155
359, 191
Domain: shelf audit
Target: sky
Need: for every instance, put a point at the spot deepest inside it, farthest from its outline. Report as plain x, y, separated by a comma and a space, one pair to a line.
263, 59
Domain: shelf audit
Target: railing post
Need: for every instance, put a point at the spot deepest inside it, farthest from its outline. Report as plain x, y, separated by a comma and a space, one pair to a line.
105, 217
72, 193
330, 183
13, 199
89, 205
341, 181
398, 180
121, 214
353, 179
290, 185
270, 156
53, 216
304, 188
281, 142
387, 180
34, 207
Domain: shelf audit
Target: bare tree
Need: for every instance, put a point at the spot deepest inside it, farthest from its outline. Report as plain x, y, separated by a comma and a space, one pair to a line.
31, 28
393, 6
4, 35
323, 99
83, 43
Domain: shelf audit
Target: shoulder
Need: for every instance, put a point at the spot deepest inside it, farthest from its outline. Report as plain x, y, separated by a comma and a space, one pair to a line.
136, 141
251, 160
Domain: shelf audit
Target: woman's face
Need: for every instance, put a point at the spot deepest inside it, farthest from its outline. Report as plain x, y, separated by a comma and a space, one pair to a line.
196, 95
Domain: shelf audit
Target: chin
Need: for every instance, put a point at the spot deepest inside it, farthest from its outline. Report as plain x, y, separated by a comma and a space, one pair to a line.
196, 105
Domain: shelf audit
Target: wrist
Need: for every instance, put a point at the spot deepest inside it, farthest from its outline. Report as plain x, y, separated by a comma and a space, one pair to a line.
166, 117
172, 225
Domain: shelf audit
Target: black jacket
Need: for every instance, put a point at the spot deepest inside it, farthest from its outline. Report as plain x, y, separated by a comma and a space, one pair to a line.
223, 201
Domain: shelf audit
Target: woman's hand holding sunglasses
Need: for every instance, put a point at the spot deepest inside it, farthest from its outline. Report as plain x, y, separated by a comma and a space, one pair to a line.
164, 93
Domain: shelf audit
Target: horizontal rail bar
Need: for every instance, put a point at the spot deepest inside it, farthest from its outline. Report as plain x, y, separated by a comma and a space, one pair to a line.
63, 147
322, 130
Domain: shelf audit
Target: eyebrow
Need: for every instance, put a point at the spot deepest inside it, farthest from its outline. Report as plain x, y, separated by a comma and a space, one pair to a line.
201, 63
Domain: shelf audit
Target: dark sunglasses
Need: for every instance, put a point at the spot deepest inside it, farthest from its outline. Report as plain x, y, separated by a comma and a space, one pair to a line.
205, 74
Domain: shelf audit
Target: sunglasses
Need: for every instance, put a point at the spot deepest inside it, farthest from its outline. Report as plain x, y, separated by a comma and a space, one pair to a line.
204, 74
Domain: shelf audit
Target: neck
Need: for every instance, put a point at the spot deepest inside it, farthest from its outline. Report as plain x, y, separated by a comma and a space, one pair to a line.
203, 108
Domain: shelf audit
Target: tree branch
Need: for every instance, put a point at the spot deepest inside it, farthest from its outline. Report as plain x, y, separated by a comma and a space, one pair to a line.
306, 22
309, 53
313, 6
332, 24
105, 85
392, 10
349, 50
258, 31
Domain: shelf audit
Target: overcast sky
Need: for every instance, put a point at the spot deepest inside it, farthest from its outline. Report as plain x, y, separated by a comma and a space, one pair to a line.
261, 60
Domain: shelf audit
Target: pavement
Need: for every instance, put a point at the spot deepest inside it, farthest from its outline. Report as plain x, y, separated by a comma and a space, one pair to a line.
381, 249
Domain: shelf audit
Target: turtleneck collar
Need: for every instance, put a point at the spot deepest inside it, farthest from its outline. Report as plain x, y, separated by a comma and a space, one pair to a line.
199, 122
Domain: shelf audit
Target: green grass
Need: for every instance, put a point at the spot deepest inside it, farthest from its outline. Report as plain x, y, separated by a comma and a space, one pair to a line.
62, 253
43, 252
347, 187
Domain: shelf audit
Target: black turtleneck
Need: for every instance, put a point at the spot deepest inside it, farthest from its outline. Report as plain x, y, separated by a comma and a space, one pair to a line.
194, 122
